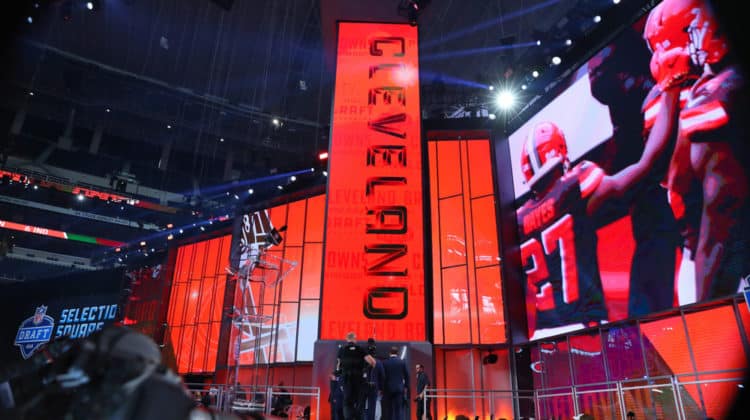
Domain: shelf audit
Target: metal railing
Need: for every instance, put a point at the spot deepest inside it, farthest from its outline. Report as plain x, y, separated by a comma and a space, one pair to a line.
680, 397
301, 402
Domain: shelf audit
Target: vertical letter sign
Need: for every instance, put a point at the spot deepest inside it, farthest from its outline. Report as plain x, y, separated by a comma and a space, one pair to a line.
373, 280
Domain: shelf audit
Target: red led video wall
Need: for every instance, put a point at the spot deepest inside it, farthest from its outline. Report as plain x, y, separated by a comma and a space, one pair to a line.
637, 201
464, 371
281, 302
195, 304
374, 276
144, 309
467, 286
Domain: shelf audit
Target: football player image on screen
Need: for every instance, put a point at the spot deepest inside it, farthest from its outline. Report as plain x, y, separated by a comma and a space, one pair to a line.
707, 164
558, 239
621, 79
558, 231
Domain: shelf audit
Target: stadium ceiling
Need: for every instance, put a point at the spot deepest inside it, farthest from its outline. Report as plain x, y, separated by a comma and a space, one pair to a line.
185, 95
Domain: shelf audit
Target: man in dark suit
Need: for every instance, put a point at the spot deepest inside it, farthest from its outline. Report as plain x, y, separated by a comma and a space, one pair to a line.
375, 379
396, 386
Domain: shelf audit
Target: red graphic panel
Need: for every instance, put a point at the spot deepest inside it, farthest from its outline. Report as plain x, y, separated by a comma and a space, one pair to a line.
194, 315
717, 345
467, 287
374, 238
468, 369
448, 166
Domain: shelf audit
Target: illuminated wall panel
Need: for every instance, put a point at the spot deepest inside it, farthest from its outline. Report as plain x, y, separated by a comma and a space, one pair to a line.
702, 351
196, 298
290, 327
716, 345
666, 353
465, 369
467, 289
374, 237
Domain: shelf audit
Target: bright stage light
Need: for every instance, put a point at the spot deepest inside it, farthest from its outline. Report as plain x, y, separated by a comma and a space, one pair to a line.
505, 99
556, 60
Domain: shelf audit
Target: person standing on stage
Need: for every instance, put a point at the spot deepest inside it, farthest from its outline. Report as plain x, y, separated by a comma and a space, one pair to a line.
422, 383
351, 361
396, 386
375, 378
336, 397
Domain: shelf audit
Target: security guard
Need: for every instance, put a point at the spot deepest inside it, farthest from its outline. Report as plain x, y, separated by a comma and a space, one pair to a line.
351, 360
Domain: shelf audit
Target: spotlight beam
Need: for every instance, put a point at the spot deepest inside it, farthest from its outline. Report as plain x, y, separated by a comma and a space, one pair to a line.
245, 183
450, 80
474, 51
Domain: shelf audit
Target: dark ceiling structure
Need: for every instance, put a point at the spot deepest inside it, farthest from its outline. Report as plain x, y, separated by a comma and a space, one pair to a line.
182, 109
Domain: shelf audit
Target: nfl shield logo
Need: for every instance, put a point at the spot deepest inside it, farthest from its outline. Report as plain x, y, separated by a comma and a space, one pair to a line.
34, 332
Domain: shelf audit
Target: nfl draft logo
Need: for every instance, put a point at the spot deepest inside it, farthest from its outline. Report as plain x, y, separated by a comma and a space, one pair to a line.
34, 332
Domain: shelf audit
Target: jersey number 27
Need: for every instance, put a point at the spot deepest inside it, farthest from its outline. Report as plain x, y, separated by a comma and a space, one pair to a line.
559, 237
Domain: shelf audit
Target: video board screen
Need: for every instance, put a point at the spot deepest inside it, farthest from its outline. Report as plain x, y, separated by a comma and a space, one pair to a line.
277, 295
374, 245
630, 185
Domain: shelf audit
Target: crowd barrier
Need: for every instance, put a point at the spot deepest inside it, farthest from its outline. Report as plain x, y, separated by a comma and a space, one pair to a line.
294, 402
680, 397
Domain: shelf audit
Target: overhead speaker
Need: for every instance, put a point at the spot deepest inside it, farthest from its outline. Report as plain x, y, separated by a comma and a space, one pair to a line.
224, 4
